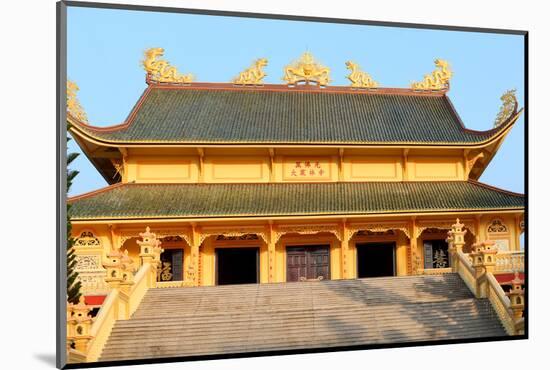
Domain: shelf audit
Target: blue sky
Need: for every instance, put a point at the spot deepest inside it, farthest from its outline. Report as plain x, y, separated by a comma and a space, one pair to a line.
105, 48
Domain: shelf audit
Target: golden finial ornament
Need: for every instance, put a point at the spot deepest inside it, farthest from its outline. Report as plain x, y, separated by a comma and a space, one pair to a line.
73, 105
306, 70
159, 70
252, 75
358, 78
438, 79
509, 107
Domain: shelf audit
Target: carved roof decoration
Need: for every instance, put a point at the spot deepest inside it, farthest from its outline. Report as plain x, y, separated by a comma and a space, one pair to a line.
253, 75
160, 70
439, 79
358, 78
508, 108
306, 70
73, 105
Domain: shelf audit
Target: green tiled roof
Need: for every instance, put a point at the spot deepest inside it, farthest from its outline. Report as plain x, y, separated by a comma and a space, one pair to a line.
282, 117
285, 199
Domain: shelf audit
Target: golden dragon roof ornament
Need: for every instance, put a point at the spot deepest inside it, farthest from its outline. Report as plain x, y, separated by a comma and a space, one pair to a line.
73, 105
252, 75
358, 78
438, 79
160, 70
305, 70
509, 107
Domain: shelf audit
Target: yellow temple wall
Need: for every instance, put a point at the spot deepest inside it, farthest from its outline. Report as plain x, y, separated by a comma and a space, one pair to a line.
503, 228
316, 165
162, 169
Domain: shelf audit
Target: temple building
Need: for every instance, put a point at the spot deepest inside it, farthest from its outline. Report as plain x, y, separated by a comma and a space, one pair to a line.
252, 183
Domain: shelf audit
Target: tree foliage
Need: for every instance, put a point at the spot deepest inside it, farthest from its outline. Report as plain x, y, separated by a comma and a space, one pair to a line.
73, 286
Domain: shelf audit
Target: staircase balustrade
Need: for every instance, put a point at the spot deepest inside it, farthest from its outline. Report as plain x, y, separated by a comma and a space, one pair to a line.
476, 269
127, 292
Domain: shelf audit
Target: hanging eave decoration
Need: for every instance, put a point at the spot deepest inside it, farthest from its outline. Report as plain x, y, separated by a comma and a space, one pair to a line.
306, 70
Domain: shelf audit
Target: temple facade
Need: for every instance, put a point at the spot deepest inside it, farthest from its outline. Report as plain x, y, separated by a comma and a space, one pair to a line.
246, 182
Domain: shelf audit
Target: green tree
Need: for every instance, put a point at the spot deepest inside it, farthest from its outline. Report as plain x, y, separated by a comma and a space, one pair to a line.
73, 286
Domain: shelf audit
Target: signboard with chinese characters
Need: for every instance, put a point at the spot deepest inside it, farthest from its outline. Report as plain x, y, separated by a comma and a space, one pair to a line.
307, 169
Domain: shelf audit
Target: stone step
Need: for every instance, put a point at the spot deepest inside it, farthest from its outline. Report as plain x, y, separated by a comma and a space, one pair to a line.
259, 317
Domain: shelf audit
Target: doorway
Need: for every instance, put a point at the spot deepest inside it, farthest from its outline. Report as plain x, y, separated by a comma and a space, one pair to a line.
236, 266
307, 263
375, 259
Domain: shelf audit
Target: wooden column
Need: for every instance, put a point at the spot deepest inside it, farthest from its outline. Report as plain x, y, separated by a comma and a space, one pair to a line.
271, 164
478, 228
344, 248
201, 164
341, 164
195, 271
413, 247
271, 256
405, 166
517, 229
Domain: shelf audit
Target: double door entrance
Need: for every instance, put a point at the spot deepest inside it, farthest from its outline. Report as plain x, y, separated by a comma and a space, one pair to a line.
307, 263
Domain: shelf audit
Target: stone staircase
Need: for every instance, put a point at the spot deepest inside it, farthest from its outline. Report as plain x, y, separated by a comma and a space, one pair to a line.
265, 317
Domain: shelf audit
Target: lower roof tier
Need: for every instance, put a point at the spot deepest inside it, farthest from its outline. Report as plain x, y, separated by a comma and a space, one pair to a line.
144, 201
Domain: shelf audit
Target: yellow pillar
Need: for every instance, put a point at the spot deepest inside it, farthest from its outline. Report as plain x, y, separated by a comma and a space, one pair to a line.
414, 257
193, 271
271, 257
344, 248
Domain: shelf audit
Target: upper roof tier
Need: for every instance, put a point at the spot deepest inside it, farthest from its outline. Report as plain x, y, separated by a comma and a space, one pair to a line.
216, 113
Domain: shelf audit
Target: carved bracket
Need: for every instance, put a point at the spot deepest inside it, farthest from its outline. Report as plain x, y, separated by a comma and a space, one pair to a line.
379, 227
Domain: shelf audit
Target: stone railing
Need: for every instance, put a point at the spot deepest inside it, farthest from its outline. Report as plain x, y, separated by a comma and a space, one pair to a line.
87, 335
464, 268
510, 261
477, 268
500, 303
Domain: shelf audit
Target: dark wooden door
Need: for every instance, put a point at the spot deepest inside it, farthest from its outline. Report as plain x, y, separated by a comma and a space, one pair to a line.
171, 268
308, 262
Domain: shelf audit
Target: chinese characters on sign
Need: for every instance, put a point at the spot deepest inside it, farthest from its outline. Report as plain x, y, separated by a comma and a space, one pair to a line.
297, 169
307, 168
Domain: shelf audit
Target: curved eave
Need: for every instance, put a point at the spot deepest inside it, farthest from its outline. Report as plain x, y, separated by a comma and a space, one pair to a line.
493, 148
93, 136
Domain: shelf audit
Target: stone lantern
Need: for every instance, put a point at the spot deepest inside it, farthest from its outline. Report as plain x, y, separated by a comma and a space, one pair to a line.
150, 249
517, 297
455, 240
113, 265
79, 323
455, 237
484, 257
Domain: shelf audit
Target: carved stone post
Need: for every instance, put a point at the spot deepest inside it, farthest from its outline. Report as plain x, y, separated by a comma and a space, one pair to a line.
113, 266
455, 240
150, 252
127, 271
517, 298
79, 323
483, 262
